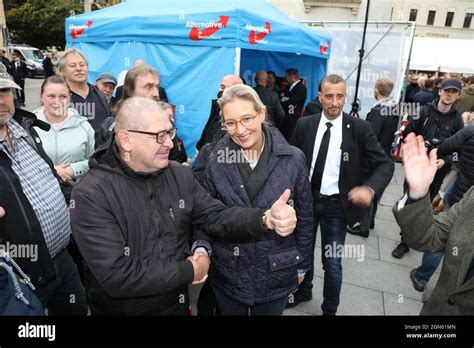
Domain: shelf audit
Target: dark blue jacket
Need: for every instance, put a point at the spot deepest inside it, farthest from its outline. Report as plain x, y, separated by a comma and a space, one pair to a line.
462, 143
264, 269
423, 97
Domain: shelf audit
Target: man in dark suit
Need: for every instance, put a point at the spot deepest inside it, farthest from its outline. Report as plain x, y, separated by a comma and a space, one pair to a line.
19, 73
275, 113
292, 102
335, 145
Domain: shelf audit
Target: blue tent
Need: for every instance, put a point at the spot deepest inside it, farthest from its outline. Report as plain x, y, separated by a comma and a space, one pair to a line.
193, 44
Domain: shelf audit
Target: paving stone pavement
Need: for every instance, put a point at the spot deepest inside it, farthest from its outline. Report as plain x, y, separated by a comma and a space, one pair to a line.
379, 284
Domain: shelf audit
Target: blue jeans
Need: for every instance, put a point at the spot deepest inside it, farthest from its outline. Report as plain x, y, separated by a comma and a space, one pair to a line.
228, 306
429, 264
431, 261
329, 213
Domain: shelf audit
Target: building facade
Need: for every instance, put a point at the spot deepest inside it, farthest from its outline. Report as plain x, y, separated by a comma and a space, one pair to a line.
434, 18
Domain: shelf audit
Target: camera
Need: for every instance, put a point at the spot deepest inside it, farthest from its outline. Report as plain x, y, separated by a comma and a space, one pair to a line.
433, 144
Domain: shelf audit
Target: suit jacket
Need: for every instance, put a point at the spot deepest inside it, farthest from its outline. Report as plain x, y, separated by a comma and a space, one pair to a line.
297, 99
447, 232
275, 112
293, 108
363, 161
19, 72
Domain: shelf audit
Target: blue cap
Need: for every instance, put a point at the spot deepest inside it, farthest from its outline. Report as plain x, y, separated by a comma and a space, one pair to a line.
452, 83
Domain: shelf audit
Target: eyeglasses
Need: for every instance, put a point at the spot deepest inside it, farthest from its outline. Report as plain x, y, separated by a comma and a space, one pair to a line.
160, 136
245, 121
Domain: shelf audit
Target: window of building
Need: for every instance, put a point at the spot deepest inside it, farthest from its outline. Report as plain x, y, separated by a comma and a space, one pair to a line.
431, 17
449, 19
413, 13
467, 21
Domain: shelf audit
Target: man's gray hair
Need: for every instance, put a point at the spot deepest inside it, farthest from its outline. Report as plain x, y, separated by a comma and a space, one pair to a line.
62, 60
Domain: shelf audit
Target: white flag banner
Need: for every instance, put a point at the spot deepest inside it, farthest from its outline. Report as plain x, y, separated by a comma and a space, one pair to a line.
384, 57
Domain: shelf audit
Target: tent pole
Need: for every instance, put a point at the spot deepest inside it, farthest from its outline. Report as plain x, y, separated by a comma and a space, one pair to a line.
237, 61
407, 69
355, 103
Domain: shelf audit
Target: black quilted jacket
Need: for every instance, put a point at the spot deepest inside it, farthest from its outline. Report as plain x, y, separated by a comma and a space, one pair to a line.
264, 269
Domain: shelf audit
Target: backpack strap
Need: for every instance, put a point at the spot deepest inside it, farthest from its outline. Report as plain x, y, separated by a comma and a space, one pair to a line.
7, 263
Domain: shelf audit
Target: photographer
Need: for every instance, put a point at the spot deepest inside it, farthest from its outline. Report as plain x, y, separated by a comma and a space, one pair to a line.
449, 232
435, 123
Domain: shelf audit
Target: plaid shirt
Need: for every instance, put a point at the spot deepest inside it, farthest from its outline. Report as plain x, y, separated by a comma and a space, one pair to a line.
41, 188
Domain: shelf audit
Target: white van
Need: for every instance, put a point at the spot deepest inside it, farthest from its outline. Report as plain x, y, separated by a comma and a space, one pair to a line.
33, 58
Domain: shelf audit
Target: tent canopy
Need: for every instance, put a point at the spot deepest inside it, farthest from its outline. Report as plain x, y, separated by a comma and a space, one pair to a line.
253, 24
193, 44
444, 55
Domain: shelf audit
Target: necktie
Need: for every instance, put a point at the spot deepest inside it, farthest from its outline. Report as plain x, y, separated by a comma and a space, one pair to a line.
321, 160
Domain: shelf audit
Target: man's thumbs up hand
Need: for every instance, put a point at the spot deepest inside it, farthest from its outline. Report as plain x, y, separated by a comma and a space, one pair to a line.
282, 217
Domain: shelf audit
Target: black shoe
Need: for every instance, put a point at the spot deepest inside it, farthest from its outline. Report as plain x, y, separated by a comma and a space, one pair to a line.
327, 314
416, 283
357, 232
400, 250
22, 104
295, 298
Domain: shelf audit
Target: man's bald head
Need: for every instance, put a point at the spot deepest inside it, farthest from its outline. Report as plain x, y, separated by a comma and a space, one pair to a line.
138, 123
261, 78
136, 112
139, 62
230, 80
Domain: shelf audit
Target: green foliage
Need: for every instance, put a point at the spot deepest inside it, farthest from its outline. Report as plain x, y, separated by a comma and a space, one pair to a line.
39, 23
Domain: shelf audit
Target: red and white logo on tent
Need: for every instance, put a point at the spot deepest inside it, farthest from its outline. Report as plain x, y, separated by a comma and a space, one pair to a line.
206, 30
323, 46
257, 34
78, 30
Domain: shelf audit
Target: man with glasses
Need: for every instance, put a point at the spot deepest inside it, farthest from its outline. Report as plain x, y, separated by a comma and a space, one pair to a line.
133, 216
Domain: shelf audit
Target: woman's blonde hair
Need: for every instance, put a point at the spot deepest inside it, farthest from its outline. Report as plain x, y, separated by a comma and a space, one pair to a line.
241, 92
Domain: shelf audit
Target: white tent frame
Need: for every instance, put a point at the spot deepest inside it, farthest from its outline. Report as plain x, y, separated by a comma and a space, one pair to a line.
408, 24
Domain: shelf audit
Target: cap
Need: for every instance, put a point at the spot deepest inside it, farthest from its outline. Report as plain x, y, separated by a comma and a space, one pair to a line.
5, 79
107, 77
452, 83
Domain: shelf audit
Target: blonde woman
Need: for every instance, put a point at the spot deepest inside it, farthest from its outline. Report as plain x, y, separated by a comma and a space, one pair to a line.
70, 141
249, 167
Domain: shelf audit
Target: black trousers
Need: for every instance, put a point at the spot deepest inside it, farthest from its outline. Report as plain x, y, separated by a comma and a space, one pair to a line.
65, 294
21, 93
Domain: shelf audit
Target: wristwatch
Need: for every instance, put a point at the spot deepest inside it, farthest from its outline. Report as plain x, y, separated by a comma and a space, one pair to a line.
265, 223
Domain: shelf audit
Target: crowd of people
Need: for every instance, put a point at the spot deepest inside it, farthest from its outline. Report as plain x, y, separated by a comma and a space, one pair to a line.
98, 180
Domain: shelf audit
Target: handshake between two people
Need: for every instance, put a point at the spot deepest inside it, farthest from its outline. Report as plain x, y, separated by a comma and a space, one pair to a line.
281, 218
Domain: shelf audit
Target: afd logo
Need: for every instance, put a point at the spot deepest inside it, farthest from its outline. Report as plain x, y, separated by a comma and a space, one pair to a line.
257, 34
324, 46
78, 30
